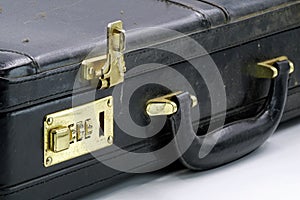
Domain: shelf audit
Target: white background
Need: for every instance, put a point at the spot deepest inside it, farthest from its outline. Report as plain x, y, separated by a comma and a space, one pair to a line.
272, 172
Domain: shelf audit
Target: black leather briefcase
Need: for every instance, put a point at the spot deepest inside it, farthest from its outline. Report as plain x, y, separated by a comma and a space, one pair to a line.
95, 91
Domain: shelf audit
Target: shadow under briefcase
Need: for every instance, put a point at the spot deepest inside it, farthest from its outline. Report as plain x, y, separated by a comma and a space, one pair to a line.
202, 82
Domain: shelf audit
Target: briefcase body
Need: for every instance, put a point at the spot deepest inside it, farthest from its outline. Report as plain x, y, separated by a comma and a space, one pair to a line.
95, 91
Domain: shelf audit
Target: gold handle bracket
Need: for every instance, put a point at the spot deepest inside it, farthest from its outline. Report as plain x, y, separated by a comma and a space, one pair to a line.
266, 69
163, 105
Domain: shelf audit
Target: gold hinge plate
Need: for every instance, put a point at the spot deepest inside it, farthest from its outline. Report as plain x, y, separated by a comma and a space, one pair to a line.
77, 131
109, 68
266, 69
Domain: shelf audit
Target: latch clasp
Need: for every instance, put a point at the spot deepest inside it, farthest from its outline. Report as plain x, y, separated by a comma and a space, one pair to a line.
163, 105
109, 68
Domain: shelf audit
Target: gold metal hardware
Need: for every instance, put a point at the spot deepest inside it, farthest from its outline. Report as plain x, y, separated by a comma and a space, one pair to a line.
88, 128
109, 68
164, 105
60, 139
194, 101
77, 131
80, 130
266, 69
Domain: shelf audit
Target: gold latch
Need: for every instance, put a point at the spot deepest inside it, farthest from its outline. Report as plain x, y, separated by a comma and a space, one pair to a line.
266, 69
109, 68
164, 105
77, 131
59, 139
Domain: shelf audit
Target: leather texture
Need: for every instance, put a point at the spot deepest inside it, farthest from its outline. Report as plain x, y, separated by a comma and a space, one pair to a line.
235, 139
40, 56
57, 64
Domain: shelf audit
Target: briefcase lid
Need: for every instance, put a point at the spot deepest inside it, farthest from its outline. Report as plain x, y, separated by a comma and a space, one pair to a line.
43, 39
42, 35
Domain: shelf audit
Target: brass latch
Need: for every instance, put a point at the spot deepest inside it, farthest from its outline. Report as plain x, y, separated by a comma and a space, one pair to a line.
266, 69
78, 131
163, 105
109, 68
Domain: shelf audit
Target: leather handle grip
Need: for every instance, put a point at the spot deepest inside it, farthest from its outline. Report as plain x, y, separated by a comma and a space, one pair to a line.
234, 140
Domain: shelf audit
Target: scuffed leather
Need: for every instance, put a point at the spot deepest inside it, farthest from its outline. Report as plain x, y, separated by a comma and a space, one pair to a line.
213, 40
61, 33
58, 32
245, 102
15, 64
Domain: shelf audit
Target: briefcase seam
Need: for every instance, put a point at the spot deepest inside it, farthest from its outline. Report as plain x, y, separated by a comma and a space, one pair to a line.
43, 77
87, 185
74, 171
34, 63
143, 71
197, 36
95, 182
103, 180
91, 165
226, 28
182, 5
220, 7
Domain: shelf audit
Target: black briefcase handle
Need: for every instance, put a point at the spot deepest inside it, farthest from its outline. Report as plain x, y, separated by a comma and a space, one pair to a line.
234, 140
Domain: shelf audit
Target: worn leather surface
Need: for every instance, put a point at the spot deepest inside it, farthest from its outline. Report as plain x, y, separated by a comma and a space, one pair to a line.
60, 30
34, 30
42, 46
243, 104
64, 62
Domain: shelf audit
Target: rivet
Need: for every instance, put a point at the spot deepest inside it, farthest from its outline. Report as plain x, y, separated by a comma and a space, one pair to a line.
48, 161
91, 71
110, 140
109, 103
49, 120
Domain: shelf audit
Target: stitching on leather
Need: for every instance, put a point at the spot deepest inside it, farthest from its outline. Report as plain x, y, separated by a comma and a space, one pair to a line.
187, 7
197, 36
33, 61
25, 102
42, 77
141, 72
213, 50
44, 97
223, 9
226, 30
